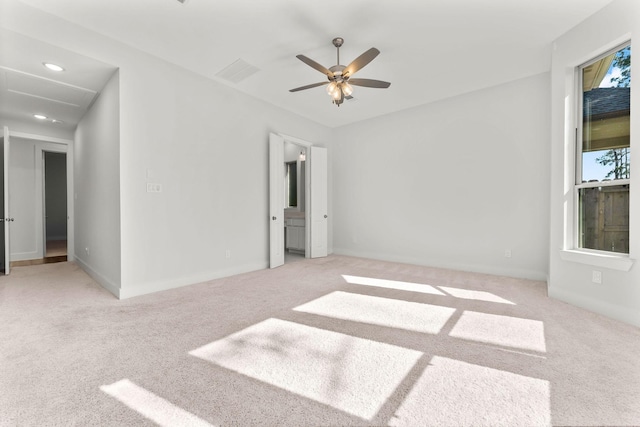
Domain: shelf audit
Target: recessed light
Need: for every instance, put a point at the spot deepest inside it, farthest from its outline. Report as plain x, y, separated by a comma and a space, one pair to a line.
53, 67
40, 117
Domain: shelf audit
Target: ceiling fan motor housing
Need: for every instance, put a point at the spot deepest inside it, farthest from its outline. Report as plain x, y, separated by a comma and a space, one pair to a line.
337, 73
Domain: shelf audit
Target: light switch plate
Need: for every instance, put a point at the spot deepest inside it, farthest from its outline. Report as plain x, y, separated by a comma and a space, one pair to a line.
154, 188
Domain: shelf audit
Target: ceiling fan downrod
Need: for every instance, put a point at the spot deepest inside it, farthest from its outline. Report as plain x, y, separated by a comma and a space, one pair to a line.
337, 42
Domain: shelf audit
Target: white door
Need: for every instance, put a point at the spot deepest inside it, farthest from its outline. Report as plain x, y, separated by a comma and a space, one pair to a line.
318, 211
25, 199
5, 192
276, 200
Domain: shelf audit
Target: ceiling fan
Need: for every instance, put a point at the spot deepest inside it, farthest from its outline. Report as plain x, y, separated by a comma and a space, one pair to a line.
339, 77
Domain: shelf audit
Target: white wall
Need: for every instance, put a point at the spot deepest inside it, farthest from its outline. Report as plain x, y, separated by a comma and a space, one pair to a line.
207, 145
451, 184
36, 128
291, 151
204, 142
619, 294
97, 188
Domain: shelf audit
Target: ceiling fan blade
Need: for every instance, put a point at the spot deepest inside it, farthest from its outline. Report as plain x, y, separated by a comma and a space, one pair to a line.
313, 64
308, 86
361, 61
370, 83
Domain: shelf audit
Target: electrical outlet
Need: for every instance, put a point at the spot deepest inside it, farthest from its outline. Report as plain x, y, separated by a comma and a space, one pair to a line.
228, 253
507, 253
596, 276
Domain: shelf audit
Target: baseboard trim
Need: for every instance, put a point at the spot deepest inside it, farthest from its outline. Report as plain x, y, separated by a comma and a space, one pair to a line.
617, 312
151, 287
102, 281
495, 271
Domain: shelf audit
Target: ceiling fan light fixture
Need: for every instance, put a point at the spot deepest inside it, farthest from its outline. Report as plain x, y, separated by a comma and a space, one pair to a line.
347, 89
336, 94
332, 88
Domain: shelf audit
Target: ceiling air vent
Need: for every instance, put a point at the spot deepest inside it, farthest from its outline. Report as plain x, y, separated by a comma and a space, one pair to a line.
237, 71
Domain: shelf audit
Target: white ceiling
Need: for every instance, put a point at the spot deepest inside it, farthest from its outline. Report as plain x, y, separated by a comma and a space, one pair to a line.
430, 49
28, 88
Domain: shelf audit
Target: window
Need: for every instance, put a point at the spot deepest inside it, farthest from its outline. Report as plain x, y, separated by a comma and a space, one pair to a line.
603, 148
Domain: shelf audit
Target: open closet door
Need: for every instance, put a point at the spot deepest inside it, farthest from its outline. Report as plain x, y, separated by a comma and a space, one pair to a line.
6, 259
276, 200
318, 211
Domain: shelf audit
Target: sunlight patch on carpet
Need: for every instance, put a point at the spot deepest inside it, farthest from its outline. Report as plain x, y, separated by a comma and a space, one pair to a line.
392, 313
451, 392
525, 334
392, 284
351, 374
151, 406
475, 295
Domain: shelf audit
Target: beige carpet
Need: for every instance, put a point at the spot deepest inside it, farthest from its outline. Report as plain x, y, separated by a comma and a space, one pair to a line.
334, 341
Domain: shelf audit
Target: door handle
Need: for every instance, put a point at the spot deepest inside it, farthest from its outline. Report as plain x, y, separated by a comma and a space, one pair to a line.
273, 218
325, 216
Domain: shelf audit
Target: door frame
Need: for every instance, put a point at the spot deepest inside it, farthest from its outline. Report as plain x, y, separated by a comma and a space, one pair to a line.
309, 237
307, 188
64, 146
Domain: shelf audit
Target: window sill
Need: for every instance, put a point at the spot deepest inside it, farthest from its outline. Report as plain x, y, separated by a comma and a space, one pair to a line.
613, 262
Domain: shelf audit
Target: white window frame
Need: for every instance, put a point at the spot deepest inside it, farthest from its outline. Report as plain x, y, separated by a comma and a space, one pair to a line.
606, 259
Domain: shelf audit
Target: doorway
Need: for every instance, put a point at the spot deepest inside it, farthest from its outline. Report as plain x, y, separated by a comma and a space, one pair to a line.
32, 174
55, 206
313, 235
294, 209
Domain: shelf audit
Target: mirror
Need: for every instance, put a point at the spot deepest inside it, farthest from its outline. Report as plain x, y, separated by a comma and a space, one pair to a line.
294, 177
